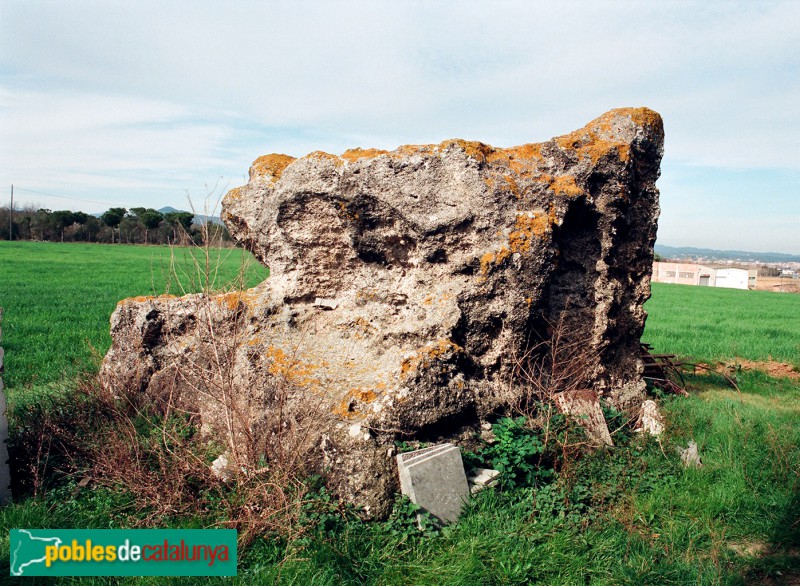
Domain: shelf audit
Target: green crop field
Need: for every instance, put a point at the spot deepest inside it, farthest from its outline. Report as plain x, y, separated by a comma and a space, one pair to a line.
631, 515
57, 298
710, 324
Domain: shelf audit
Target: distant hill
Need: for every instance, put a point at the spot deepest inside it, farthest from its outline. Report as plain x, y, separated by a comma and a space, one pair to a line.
710, 253
198, 218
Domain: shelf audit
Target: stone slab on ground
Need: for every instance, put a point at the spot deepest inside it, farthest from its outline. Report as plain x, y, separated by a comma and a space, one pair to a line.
434, 478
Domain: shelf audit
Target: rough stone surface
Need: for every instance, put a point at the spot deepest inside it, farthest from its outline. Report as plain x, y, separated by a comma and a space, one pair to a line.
583, 406
404, 287
434, 479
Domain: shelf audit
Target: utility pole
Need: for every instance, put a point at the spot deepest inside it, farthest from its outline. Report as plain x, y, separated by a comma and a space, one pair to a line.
11, 216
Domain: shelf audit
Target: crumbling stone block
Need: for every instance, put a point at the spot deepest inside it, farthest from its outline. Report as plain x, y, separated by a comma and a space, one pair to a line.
402, 285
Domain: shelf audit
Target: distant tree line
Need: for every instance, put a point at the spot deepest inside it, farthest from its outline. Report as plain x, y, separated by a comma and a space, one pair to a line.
116, 225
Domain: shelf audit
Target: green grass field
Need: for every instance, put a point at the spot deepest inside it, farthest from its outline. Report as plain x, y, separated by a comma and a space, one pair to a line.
632, 515
57, 298
708, 323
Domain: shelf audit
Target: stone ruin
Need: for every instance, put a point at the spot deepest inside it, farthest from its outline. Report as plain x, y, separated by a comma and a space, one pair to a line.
405, 288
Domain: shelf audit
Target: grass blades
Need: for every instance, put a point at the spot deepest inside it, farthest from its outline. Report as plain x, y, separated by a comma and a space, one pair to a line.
631, 515
58, 298
708, 323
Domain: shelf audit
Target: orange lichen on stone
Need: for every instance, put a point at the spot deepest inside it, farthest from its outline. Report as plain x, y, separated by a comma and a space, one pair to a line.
426, 356
143, 298
270, 166
344, 213
323, 156
595, 139
233, 194
233, 299
477, 150
364, 395
525, 229
565, 185
354, 155
292, 370
347, 406
528, 226
642, 116
587, 143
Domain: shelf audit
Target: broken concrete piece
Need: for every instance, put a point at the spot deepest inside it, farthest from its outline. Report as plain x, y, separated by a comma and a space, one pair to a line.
401, 285
584, 408
691, 456
650, 420
483, 478
434, 479
221, 469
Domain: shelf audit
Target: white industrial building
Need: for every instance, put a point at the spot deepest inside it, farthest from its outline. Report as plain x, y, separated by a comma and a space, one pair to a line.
694, 274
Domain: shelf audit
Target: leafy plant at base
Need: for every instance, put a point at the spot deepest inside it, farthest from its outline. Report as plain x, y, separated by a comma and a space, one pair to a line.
517, 453
408, 520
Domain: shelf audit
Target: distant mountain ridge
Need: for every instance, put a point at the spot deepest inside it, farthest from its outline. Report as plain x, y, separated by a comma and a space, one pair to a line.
198, 218
710, 253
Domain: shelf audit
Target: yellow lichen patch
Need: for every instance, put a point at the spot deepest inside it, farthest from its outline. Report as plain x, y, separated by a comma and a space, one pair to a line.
323, 156
347, 407
528, 226
143, 298
291, 369
270, 166
255, 340
233, 299
354, 155
426, 356
565, 185
233, 195
592, 140
477, 150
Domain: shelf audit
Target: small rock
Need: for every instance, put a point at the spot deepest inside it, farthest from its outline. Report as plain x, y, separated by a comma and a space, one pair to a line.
221, 468
650, 420
488, 436
691, 457
483, 478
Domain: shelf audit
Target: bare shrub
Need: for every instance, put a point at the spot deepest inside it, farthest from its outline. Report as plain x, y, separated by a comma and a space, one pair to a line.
563, 360
154, 445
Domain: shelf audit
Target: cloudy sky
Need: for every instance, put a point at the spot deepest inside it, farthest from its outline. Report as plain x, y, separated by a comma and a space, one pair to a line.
111, 103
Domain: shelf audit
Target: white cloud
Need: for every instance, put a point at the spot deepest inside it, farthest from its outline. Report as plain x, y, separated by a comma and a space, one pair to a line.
177, 93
